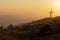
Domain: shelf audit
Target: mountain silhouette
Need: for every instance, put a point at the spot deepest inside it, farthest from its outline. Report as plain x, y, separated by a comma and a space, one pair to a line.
36, 25
43, 29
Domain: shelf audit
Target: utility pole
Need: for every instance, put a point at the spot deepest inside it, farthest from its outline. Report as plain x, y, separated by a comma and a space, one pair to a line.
51, 12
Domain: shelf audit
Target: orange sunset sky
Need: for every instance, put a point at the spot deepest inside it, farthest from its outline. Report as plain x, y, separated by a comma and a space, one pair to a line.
22, 11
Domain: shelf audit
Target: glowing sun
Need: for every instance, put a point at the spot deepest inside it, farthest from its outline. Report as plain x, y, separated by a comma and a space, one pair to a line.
57, 3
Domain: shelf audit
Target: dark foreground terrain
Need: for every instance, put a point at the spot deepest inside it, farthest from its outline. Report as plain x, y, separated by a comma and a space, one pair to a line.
44, 29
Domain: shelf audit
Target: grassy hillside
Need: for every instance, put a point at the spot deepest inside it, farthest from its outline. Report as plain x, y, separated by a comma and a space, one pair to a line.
44, 29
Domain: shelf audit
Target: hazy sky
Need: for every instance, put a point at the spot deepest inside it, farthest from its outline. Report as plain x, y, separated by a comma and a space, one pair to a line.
21, 11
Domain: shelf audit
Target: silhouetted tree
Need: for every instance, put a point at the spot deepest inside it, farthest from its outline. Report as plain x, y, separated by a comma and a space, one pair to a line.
10, 26
1, 28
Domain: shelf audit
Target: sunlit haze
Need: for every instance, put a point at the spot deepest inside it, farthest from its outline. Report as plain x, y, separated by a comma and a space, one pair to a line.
23, 11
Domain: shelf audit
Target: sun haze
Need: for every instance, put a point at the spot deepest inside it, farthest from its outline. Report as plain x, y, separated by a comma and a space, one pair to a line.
21, 11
